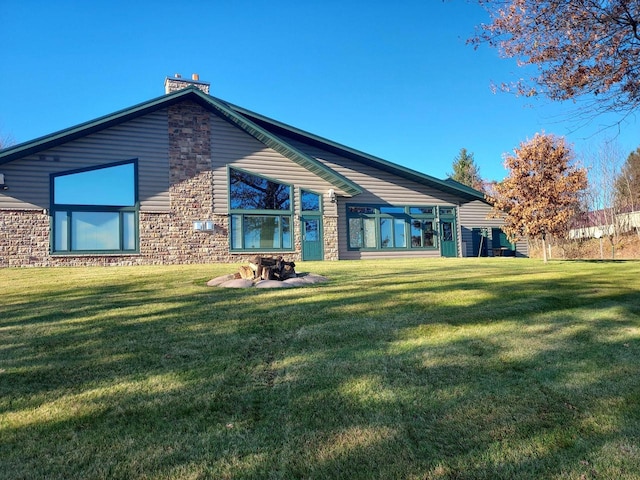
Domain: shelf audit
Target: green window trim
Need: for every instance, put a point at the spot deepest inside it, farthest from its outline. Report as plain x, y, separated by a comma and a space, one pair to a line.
107, 227
260, 213
309, 198
391, 227
261, 233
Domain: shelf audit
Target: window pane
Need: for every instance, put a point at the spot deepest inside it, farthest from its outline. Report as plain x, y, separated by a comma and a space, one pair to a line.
113, 186
61, 231
355, 232
250, 192
421, 210
386, 238
286, 232
261, 231
447, 232
416, 233
236, 232
428, 234
311, 230
399, 234
369, 226
361, 210
310, 201
128, 231
95, 231
391, 209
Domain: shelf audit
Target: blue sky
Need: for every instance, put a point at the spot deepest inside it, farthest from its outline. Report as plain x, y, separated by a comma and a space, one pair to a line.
393, 79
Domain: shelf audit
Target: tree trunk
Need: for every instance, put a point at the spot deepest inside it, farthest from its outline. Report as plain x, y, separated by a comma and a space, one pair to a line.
544, 249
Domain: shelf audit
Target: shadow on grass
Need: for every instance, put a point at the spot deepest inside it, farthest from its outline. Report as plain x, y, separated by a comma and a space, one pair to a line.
437, 372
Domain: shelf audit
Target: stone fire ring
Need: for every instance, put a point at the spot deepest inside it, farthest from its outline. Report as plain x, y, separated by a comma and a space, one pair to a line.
230, 281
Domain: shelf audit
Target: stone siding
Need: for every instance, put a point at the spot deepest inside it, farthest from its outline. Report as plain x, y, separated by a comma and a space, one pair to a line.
330, 237
24, 238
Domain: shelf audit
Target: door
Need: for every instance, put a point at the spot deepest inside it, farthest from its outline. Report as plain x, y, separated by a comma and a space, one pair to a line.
311, 237
448, 243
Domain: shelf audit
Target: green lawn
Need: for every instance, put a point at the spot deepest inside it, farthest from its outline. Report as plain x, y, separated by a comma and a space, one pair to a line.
412, 369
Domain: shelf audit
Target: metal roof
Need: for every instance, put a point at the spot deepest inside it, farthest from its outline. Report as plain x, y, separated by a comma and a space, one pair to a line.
264, 129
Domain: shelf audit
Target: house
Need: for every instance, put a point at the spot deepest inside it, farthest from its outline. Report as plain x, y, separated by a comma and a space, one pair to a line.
189, 178
605, 222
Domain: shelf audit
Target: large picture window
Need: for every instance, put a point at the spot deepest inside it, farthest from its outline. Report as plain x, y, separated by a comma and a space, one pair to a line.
373, 227
261, 212
95, 210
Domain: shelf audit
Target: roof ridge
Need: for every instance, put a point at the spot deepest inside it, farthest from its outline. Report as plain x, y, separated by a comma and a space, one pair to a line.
69, 134
380, 161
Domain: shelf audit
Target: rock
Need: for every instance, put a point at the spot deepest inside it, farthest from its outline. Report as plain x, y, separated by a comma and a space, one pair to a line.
313, 278
237, 283
273, 284
296, 282
214, 282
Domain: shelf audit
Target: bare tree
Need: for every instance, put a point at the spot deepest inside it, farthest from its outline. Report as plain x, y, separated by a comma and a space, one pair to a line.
605, 213
6, 141
588, 49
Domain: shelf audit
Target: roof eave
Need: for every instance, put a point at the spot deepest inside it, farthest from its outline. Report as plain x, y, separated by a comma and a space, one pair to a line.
363, 157
282, 147
57, 138
49, 141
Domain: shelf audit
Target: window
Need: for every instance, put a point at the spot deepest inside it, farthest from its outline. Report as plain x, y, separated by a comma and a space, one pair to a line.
310, 202
95, 210
261, 212
362, 232
390, 227
422, 233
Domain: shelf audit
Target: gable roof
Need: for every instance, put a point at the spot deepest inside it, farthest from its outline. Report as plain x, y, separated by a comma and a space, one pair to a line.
190, 93
264, 129
280, 128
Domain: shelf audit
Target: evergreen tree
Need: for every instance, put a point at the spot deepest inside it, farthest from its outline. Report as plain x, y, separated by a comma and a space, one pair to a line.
628, 183
466, 171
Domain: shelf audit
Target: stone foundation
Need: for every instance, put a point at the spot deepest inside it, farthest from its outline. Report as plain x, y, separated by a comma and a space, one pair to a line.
164, 239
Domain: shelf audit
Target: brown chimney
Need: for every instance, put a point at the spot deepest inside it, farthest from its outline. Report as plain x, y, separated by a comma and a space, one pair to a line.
172, 84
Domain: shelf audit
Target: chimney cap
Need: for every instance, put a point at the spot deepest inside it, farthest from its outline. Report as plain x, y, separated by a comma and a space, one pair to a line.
171, 84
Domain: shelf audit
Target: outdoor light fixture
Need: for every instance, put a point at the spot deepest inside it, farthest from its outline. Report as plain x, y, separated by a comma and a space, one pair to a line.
332, 195
3, 185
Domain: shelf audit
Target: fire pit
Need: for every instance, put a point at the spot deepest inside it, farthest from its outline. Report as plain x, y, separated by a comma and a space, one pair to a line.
266, 272
268, 268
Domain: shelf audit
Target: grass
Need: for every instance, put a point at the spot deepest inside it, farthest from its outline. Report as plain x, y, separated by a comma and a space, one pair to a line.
410, 369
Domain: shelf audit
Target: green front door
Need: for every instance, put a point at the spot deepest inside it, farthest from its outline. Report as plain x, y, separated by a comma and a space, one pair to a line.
311, 237
448, 242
